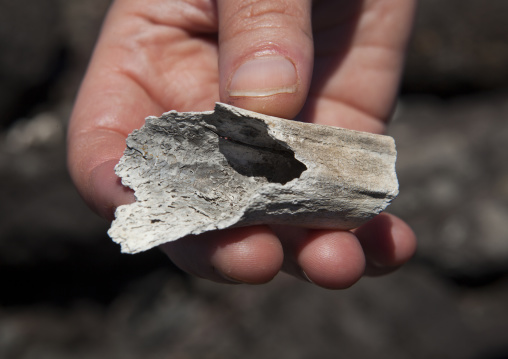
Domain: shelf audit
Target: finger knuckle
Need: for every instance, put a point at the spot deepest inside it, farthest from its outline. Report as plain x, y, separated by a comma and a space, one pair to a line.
254, 14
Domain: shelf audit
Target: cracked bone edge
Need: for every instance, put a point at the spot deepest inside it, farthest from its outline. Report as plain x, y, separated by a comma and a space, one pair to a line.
195, 172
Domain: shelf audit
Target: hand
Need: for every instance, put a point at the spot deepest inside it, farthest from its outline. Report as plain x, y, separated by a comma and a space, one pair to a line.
343, 70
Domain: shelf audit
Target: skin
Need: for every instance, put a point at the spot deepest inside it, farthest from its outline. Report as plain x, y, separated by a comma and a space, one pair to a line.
157, 55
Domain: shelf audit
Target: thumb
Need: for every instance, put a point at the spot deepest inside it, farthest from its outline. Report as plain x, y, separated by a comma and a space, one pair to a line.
265, 54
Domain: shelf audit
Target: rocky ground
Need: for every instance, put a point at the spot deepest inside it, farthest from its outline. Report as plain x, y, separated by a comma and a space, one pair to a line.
66, 291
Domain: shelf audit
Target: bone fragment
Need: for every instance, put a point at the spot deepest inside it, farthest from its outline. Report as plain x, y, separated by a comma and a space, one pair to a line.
196, 172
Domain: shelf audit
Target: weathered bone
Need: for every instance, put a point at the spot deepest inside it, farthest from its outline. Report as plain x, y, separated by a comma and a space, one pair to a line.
196, 172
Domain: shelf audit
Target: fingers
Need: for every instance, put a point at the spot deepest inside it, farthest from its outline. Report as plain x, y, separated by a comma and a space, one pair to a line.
338, 259
328, 258
360, 48
388, 242
241, 255
265, 54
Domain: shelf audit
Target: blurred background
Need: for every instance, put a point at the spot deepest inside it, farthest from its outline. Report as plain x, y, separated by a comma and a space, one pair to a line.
67, 292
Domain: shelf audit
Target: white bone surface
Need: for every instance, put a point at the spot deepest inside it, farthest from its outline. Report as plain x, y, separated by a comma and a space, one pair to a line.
196, 172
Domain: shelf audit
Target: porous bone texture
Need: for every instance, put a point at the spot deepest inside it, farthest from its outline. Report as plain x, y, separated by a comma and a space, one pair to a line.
196, 172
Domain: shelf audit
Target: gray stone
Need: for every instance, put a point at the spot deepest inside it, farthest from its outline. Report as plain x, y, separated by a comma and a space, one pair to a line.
197, 172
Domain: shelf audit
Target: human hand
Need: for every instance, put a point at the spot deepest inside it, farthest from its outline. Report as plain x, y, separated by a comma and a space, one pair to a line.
343, 70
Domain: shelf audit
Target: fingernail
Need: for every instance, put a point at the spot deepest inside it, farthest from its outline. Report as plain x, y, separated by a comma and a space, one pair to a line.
228, 278
264, 76
306, 277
